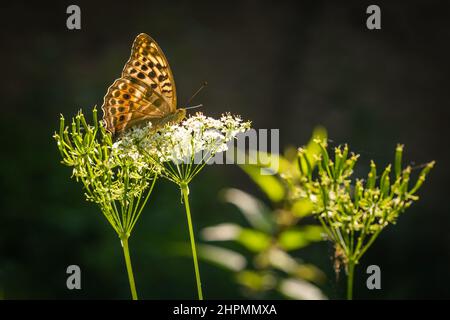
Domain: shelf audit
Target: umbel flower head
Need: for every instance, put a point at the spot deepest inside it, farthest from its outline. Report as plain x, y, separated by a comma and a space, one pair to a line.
116, 181
182, 149
354, 212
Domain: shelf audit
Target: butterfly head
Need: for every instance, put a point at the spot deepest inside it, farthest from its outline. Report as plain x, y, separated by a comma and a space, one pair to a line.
176, 117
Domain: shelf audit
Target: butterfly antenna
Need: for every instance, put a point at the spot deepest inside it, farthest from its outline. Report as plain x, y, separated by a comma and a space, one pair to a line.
194, 107
204, 84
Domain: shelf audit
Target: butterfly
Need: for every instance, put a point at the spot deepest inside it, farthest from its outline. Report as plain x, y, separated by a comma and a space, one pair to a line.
145, 91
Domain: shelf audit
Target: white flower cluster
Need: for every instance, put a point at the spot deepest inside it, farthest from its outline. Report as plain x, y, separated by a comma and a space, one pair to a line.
127, 147
194, 140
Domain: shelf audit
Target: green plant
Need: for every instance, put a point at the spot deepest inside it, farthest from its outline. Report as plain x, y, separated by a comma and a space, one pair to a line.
354, 212
178, 152
273, 234
120, 184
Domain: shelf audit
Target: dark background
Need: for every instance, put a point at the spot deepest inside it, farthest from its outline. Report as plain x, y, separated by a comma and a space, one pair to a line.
286, 65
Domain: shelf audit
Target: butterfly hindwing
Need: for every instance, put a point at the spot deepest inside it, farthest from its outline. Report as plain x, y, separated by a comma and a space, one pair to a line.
128, 103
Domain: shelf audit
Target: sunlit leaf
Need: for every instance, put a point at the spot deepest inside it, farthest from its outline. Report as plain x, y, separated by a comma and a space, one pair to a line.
296, 238
254, 210
300, 290
269, 184
302, 207
221, 257
313, 233
254, 240
309, 272
221, 232
256, 281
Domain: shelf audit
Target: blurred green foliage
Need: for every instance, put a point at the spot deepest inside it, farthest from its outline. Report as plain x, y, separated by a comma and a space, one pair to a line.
272, 235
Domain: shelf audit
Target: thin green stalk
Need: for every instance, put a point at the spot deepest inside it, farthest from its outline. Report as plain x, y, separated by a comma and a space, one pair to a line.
369, 243
126, 254
184, 191
350, 274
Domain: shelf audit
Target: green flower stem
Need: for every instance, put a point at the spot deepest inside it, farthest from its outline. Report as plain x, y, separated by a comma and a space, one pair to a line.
126, 254
367, 246
350, 274
185, 192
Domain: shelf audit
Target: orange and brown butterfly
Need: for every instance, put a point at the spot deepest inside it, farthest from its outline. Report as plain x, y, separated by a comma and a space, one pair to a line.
145, 91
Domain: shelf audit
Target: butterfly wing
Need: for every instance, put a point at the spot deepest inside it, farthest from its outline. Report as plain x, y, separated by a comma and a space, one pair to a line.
146, 90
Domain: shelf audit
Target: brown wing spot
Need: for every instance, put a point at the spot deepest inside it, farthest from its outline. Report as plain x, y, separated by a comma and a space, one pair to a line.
137, 63
144, 59
158, 65
121, 109
144, 67
157, 103
150, 64
152, 74
154, 85
116, 94
133, 71
112, 110
126, 96
131, 90
140, 75
161, 78
121, 118
112, 101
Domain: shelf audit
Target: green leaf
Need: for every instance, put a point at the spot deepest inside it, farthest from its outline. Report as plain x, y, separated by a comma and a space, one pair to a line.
254, 210
255, 281
302, 207
296, 238
254, 240
269, 184
300, 290
221, 257
292, 239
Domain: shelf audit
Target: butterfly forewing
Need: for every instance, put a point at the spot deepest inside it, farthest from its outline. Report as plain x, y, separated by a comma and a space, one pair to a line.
146, 90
